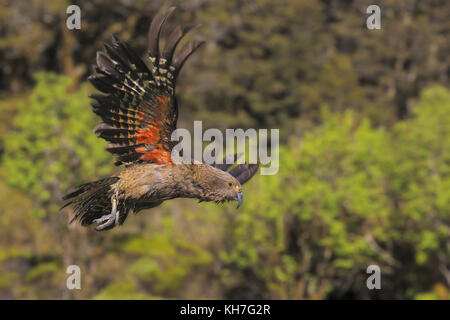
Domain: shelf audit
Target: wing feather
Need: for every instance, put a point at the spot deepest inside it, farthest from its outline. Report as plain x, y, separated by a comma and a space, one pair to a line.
139, 108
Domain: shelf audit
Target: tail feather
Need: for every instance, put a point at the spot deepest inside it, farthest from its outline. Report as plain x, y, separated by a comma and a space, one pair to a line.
91, 200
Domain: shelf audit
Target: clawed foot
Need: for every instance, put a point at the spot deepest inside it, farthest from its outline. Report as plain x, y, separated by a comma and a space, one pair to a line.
109, 220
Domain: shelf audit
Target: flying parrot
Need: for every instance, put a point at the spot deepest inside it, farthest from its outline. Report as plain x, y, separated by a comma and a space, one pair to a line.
139, 111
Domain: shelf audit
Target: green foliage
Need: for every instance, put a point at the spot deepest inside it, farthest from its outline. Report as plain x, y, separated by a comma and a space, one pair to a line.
53, 147
421, 180
42, 270
161, 263
348, 195
259, 83
120, 291
266, 63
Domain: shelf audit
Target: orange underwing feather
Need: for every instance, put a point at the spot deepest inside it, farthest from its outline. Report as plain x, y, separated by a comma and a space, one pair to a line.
151, 135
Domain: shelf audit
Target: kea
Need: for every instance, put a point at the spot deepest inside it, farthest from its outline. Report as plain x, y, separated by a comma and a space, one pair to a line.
139, 110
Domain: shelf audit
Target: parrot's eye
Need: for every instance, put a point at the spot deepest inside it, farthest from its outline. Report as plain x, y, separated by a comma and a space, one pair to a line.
230, 184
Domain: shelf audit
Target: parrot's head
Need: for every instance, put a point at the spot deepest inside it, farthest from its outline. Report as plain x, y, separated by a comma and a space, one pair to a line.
217, 185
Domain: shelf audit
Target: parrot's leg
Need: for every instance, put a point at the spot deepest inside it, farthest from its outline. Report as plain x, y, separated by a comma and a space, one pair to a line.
111, 219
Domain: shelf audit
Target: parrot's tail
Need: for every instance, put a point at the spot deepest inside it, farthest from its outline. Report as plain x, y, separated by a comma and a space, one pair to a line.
96, 202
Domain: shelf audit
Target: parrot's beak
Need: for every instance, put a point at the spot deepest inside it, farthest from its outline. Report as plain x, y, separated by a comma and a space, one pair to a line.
239, 198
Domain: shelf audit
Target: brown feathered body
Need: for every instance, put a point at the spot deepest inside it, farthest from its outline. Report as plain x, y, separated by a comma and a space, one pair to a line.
151, 182
147, 185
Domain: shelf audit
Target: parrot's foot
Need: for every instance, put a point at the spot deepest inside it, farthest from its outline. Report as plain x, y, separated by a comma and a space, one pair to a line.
110, 220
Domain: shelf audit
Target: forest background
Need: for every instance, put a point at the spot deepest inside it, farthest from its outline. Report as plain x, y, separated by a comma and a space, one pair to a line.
364, 119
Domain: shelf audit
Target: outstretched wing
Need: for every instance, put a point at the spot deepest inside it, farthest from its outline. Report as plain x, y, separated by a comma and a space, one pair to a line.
242, 172
139, 109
